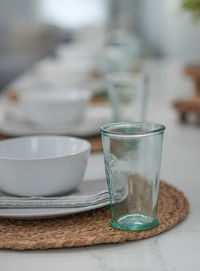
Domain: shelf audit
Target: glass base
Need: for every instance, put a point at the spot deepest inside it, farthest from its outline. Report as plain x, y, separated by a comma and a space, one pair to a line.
134, 222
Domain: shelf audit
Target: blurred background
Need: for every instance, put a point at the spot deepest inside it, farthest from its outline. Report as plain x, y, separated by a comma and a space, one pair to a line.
33, 29
65, 44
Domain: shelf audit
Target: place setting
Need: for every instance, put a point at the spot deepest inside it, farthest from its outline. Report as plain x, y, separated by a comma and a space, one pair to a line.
44, 202
99, 135
41, 111
43, 191
42, 176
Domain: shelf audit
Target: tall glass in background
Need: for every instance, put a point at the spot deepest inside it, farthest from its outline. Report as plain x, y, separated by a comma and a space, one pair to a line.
124, 47
128, 94
132, 155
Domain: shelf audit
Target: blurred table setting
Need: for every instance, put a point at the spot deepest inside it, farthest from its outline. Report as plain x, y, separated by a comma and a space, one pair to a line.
158, 109
85, 158
55, 96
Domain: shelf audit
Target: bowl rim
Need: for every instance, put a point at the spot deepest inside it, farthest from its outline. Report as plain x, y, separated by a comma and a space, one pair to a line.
45, 96
26, 159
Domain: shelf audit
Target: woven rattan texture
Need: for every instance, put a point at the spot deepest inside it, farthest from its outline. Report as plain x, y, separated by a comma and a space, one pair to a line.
95, 141
89, 228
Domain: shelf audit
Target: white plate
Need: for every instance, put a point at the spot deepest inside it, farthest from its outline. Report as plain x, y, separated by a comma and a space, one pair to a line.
12, 123
39, 213
46, 213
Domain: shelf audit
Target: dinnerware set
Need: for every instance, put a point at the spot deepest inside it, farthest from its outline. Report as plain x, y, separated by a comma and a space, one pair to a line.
37, 167
42, 106
41, 174
40, 111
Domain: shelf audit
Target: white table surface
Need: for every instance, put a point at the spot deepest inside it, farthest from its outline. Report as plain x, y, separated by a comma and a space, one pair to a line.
177, 249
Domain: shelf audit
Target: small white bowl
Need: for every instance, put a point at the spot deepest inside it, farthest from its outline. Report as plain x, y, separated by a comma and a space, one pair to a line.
42, 165
54, 106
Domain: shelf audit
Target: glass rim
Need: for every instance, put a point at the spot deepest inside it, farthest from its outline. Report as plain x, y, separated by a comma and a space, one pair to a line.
159, 128
127, 75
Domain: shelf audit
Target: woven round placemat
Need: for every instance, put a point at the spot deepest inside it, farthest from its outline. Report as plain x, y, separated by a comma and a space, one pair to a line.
89, 228
95, 141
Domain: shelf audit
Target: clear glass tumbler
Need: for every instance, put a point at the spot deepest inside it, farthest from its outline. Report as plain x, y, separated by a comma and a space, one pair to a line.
132, 155
127, 93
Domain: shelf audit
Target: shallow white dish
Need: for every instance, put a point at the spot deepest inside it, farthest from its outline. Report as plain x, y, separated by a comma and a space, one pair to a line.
12, 123
54, 106
42, 165
45, 213
39, 213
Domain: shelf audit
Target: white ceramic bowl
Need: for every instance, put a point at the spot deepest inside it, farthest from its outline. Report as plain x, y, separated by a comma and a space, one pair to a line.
54, 106
73, 72
42, 165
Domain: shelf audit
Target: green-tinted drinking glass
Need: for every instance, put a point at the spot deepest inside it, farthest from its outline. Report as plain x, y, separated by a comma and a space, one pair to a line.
132, 155
128, 95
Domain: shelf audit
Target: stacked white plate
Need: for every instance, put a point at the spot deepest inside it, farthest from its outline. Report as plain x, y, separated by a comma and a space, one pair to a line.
89, 196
